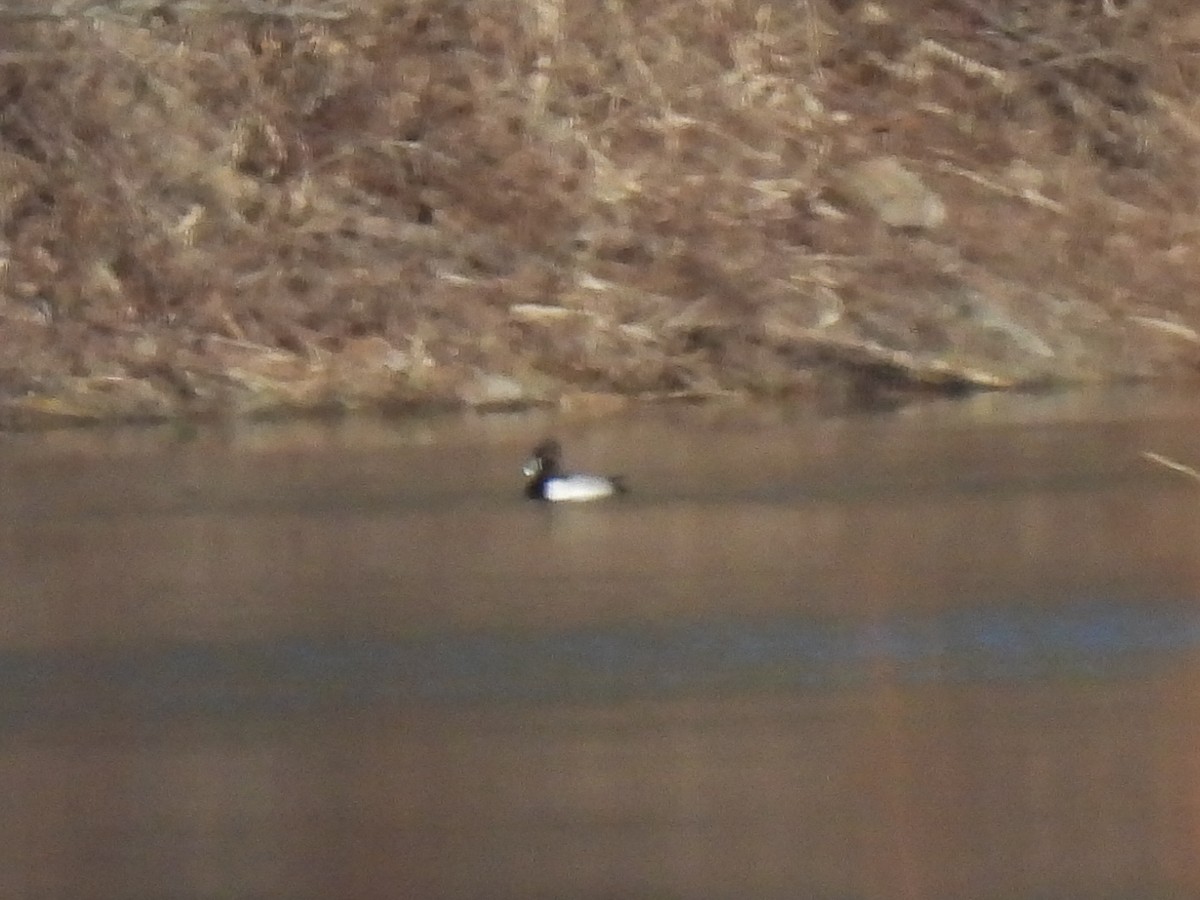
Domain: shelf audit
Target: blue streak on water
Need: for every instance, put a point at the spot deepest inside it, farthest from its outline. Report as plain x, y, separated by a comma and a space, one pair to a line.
306, 675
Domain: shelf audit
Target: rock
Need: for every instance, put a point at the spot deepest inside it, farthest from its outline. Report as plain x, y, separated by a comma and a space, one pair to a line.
488, 391
373, 354
898, 197
587, 404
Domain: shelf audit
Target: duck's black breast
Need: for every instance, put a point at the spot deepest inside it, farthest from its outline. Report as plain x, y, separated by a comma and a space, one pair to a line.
535, 489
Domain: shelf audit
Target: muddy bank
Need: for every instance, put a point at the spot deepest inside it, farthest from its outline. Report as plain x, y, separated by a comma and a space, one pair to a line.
426, 204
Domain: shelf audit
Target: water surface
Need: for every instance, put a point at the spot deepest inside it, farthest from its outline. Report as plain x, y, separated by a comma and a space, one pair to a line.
948, 652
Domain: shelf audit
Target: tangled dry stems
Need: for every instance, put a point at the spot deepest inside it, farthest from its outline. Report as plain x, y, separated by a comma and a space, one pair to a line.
203, 207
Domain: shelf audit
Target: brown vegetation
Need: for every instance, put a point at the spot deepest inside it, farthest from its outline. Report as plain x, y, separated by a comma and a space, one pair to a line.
494, 202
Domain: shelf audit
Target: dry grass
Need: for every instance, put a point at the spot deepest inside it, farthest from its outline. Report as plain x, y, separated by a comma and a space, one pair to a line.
1168, 463
205, 210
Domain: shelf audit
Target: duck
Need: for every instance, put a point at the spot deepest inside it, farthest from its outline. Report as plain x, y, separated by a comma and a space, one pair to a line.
548, 482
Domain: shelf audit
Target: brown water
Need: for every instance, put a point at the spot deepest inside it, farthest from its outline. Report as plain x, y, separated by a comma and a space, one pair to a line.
953, 652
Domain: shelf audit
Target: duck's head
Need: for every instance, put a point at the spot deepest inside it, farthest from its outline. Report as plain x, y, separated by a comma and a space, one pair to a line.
543, 462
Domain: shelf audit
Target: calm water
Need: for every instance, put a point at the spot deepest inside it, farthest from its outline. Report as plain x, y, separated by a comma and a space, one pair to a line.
951, 652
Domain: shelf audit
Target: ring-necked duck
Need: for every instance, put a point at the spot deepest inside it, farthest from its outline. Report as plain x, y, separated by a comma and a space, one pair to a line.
547, 482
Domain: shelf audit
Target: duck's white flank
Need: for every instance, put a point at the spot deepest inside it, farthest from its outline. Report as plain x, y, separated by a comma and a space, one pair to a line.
579, 487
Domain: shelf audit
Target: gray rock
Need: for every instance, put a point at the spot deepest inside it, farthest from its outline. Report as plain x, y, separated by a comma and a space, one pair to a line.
899, 198
488, 390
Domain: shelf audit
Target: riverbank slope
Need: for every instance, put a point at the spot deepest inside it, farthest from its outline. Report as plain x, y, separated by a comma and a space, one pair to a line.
411, 204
